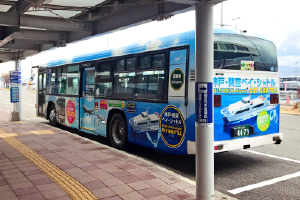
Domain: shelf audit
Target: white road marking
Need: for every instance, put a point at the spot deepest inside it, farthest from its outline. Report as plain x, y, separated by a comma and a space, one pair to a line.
272, 156
28, 104
264, 183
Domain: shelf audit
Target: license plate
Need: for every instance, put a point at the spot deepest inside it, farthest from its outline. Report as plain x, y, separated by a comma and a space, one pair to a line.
243, 131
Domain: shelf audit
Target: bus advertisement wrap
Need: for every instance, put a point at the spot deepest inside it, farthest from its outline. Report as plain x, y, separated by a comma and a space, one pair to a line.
236, 85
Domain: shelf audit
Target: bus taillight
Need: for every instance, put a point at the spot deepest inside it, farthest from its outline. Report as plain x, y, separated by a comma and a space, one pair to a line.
274, 99
217, 100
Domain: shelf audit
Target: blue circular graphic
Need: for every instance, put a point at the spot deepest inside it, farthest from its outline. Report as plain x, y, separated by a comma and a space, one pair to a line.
172, 126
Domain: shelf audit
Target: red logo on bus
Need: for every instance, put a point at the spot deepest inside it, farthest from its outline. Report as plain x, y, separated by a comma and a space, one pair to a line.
70, 112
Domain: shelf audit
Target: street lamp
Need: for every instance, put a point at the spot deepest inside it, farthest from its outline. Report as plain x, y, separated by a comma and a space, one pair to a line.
236, 22
222, 24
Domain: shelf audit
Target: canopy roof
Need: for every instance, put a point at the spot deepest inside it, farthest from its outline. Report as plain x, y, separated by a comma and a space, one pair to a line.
30, 26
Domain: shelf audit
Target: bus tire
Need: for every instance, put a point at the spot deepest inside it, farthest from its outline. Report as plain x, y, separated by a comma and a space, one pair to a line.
52, 115
117, 131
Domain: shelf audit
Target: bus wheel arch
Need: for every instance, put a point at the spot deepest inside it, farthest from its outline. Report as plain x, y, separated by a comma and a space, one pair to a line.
117, 128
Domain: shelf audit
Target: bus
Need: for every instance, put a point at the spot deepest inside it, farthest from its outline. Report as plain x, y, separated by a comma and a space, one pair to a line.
144, 93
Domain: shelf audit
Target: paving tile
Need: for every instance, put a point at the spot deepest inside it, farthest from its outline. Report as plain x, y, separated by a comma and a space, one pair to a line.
14, 175
83, 164
161, 197
145, 176
86, 179
127, 167
89, 168
139, 185
51, 186
155, 182
178, 195
182, 185
66, 167
103, 193
191, 191
18, 158
113, 198
49, 194
97, 162
27, 190
36, 177
7, 195
150, 192
171, 179
112, 160
21, 185
160, 174
67, 197
36, 196
42, 181
94, 185
166, 189
120, 173
100, 174
121, 189
136, 171
3, 182
5, 188
33, 172
10, 171
129, 179
6, 167
132, 196
112, 182
17, 180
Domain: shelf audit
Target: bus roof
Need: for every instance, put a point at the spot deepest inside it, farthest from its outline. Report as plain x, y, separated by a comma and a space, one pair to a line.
170, 41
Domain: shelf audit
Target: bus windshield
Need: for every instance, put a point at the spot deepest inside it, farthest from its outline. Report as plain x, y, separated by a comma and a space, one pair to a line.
230, 51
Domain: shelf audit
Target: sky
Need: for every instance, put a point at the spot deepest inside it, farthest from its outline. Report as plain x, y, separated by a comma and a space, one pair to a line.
273, 19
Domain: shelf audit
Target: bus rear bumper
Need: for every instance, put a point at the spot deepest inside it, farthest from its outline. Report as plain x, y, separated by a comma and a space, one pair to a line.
242, 143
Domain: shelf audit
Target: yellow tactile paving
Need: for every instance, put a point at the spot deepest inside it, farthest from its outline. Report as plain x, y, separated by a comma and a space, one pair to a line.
40, 132
66, 182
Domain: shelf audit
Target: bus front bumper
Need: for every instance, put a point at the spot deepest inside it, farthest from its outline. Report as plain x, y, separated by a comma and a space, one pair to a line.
242, 143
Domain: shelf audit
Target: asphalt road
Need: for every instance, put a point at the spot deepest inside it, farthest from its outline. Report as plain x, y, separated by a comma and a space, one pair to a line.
270, 172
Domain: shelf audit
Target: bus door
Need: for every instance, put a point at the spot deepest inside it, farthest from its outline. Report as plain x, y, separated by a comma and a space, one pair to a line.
87, 102
177, 79
41, 92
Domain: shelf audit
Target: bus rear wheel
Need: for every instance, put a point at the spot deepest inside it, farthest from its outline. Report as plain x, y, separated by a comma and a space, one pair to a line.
118, 131
52, 115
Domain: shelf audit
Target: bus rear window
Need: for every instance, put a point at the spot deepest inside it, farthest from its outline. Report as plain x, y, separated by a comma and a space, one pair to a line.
231, 51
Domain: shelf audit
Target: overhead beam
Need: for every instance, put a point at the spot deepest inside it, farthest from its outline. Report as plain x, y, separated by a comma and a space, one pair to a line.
49, 6
7, 56
22, 46
38, 35
40, 22
136, 15
24, 5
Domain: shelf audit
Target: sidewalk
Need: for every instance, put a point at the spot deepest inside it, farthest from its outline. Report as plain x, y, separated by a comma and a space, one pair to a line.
39, 162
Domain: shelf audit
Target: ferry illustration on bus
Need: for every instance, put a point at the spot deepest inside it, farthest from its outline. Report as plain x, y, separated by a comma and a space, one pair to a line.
245, 108
145, 122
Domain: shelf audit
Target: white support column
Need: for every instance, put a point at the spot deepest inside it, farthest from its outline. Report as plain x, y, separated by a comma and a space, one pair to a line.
18, 106
204, 122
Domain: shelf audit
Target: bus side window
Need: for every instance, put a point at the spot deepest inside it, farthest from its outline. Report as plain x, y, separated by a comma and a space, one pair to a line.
72, 80
104, 80
151, 77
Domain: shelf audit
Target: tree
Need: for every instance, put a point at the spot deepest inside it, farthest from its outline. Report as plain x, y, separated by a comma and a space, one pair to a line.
5, 78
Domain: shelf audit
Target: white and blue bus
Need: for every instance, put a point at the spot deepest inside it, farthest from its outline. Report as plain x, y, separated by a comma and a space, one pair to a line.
144, 93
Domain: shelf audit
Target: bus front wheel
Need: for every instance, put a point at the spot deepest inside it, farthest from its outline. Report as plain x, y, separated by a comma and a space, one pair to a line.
52, 115
118, 131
